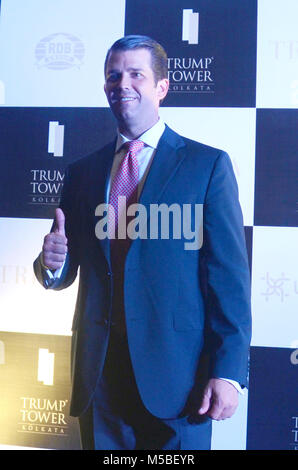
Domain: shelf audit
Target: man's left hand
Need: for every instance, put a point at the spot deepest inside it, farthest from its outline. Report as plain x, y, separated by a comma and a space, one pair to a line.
220, 399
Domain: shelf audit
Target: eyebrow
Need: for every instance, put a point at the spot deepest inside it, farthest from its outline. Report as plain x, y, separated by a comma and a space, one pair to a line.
133, 69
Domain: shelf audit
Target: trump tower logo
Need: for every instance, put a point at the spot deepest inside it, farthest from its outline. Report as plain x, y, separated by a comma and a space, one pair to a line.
46, 183
207, 64
43, 415
59, 51
190, 74
34, 392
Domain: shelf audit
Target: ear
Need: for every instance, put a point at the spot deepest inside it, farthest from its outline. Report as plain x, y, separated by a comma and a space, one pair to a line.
162, 88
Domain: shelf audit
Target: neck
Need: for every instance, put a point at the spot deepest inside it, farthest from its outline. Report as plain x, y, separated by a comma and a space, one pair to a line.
132, 132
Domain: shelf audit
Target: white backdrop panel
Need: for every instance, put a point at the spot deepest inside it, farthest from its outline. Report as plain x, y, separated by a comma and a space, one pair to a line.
275, 286
54, 54
25, 305
277, 54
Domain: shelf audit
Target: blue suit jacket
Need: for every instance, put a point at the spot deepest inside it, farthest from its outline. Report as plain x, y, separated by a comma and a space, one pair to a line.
178, 302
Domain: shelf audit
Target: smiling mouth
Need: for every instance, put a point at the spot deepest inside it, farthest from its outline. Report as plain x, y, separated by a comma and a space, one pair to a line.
123, 99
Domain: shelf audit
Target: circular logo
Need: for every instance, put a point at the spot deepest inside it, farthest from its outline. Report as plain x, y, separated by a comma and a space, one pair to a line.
60, 51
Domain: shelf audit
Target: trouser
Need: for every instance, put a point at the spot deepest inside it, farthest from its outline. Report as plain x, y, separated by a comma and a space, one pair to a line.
118, 420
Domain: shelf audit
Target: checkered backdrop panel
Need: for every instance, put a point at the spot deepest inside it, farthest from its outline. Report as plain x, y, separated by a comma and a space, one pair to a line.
233, 85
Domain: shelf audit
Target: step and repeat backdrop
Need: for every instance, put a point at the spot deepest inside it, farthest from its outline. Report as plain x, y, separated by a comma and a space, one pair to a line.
233, 70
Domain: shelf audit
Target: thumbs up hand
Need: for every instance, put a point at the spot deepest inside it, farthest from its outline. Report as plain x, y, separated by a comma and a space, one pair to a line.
60, 222
54, 247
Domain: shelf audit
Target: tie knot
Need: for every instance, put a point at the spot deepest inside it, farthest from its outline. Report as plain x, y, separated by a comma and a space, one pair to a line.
134, 146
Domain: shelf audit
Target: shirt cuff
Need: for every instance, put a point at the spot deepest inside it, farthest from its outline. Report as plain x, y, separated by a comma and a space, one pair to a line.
52, 274
235, 384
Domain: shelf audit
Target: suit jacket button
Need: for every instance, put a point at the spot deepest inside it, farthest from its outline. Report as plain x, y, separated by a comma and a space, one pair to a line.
102, 321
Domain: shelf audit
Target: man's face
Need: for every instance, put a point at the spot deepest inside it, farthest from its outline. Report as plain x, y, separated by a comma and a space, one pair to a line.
131, 90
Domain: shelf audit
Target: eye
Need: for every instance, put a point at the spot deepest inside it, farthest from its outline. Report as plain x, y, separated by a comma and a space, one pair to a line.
137, 74
113, 77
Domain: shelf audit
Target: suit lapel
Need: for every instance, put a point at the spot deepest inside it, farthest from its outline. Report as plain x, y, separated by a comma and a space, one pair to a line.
169, 155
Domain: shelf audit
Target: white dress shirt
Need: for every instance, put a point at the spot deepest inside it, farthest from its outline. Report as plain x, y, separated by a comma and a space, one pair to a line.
144, 156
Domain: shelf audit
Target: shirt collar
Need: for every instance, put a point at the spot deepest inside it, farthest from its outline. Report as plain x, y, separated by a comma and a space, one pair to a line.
150, 137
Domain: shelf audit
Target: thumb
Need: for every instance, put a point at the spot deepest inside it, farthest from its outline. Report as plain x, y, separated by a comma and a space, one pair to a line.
59, 222
206, 402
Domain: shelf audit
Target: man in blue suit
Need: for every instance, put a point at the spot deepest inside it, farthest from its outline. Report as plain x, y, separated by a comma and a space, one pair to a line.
161, 331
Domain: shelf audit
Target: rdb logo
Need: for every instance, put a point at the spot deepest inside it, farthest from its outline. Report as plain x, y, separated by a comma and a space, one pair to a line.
60, 51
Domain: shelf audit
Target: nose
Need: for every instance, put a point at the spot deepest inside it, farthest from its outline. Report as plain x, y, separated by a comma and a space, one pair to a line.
124, 82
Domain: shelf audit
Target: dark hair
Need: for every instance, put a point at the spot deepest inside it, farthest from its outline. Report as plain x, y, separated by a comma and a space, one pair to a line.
159, 59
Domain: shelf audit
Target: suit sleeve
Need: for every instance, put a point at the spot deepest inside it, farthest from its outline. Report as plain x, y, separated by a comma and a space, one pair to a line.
228, 314
69, 271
